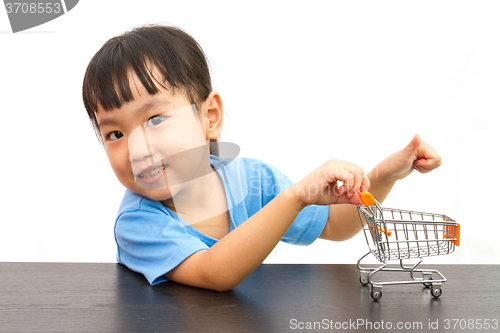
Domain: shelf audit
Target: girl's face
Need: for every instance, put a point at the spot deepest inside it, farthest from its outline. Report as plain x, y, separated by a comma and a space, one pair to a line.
156, 143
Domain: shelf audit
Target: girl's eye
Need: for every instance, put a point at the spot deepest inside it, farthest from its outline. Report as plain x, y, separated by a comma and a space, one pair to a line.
115, 135
155, 120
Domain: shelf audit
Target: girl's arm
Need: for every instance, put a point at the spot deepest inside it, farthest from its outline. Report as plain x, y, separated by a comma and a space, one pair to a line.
241, 251
236, 255
343, 221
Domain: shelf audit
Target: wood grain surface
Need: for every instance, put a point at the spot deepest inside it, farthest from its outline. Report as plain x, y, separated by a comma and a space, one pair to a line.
85, 297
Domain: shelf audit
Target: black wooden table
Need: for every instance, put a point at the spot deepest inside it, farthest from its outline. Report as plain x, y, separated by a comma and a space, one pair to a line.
74, 297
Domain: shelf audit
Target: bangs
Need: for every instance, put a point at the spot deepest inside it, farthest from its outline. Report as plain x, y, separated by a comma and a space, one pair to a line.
107, 82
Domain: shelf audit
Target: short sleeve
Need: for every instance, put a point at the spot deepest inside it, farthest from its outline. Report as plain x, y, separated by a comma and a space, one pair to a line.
308, 225
265, 183
153, 243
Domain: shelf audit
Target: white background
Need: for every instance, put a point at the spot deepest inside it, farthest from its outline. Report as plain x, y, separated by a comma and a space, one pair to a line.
302, 82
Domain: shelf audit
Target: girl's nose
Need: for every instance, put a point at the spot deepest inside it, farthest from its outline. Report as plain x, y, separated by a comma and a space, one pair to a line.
138, 145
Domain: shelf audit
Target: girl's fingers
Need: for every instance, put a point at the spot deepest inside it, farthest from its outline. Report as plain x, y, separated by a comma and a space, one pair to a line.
425, 165
359, 177
427, 158
347, 178
353, 178
338, 182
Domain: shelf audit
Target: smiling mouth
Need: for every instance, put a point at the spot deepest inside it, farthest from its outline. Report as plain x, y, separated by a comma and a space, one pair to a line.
151, 176
150, 172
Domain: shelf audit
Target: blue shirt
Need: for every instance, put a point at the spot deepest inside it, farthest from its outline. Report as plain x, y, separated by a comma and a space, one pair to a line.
152, 239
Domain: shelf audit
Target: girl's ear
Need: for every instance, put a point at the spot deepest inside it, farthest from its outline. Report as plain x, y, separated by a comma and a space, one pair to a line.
213, 105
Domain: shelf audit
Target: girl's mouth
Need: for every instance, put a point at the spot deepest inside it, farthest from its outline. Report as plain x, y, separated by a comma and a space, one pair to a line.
153, 175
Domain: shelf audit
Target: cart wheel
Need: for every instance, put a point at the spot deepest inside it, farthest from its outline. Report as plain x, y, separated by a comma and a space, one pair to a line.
436, 292
376, 295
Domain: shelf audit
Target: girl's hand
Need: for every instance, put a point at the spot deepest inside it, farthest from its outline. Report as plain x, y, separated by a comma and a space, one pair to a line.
332, 183
416, 155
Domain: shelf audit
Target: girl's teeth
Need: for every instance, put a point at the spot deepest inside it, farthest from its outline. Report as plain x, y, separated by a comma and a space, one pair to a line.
152, 172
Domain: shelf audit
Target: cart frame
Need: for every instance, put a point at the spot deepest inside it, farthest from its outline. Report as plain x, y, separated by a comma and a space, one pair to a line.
416, 235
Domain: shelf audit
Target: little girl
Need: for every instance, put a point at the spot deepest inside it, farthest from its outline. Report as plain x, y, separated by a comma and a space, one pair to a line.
188, 215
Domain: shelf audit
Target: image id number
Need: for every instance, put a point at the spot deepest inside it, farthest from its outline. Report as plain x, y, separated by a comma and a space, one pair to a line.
470, 324
32, 8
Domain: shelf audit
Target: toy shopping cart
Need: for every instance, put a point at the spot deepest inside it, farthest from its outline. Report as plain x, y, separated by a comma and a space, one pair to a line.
395, 234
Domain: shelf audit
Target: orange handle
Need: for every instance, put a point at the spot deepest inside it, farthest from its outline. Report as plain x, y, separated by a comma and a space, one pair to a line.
367, 198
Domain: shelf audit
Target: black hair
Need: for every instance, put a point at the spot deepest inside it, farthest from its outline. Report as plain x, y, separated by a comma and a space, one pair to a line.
176, 55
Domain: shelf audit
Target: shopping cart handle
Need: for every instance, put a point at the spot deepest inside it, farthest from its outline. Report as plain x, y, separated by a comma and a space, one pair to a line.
367, 198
